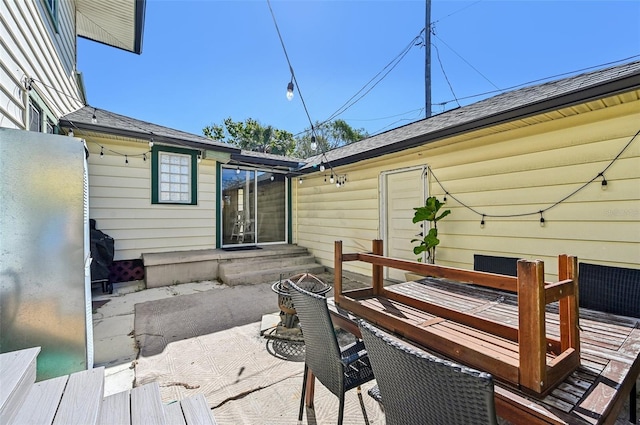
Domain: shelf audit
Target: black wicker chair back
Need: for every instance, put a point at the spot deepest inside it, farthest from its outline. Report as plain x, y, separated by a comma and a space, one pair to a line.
338, 369
418, 388
493, 264
614, 290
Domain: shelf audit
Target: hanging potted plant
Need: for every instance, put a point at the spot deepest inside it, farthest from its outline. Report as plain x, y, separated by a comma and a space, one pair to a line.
430, 212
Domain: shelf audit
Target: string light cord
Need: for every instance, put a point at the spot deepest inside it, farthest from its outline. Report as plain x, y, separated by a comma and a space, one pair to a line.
444, 73
540, 211
325, 160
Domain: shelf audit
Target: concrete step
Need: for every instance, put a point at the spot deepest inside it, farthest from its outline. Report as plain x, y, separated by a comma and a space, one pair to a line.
271, 275
17, 375
262, 263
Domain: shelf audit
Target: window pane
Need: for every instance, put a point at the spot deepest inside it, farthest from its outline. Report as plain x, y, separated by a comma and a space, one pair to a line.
34, 117
175, 175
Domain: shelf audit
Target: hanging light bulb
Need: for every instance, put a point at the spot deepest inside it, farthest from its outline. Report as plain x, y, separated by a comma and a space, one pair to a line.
482, 222
541, 219
272, 177
70, 133
322, 168
331, 180
94, 119
144, 157
126, 159
199, 159
290, 90
237, 170
101, 151
300, 181
151, 143
604, 182
314, 145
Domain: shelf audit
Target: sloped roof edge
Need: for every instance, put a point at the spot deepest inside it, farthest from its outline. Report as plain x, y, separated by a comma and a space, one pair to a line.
488, 112
110, 123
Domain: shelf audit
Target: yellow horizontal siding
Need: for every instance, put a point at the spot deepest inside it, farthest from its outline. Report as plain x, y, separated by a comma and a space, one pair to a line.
516, 168
120, 202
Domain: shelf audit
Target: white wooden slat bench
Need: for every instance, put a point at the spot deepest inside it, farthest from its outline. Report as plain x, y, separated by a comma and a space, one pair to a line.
79, 399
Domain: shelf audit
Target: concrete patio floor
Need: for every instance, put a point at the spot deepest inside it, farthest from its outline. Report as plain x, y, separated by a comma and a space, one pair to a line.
115, 349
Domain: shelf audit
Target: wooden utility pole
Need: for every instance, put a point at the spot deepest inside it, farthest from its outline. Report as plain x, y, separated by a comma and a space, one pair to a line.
427, 64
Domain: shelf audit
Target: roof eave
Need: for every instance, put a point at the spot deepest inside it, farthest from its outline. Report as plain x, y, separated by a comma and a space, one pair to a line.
607, 88
111, 131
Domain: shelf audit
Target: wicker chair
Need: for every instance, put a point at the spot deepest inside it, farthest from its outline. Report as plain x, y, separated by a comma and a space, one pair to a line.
614, 290
418, 388
338, 369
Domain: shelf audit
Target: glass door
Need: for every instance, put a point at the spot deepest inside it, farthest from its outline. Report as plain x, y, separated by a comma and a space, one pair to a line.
253, 207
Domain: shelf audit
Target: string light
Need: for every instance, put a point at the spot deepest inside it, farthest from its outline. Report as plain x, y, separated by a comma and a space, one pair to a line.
101, 152
314, 145
70, 133
199, 159
300, 181
126, 159
94, 119
331, 179
322, 168
604, 183
482, 222
237, 170
151, 143
272, 177
290, 89
144, 157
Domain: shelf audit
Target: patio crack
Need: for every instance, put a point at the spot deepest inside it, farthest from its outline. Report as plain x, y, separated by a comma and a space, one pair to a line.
251, 391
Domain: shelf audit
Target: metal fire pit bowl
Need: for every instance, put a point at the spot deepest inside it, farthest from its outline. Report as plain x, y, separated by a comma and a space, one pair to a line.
306, 281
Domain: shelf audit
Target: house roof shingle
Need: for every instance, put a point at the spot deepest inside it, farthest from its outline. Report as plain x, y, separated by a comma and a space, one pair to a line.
504, 107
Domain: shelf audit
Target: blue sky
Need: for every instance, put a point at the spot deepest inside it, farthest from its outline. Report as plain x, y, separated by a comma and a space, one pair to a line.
205, 60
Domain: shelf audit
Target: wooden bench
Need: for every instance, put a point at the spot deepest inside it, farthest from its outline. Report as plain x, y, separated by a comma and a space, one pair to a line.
521, 354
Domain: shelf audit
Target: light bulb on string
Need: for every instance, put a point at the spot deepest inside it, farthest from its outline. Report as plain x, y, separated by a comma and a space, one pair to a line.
70, 134
300, 180
151, 143
126, 159
237, 170
101, 151
604, 183
199, 159
331, 180
144, 157
94, 119
314, 145
322, 168
290, 90
541, 219
272, 177
482, 222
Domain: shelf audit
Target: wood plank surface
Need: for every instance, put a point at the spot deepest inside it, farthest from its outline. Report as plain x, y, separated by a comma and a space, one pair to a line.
196, 411
18, 371
146, 405
41, 403
174, 414
116, 409
82, 398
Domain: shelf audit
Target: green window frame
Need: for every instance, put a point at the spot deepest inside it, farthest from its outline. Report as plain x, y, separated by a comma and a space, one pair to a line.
174, 175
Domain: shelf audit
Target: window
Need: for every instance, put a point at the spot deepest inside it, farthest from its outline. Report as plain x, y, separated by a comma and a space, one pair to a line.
52, 8
35, 117
39, 118
174, 175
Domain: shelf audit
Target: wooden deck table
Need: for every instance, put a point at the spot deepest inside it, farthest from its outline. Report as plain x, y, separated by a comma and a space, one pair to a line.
592, 393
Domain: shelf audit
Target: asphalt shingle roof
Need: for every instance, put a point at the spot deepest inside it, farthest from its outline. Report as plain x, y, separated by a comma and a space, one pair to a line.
500, 108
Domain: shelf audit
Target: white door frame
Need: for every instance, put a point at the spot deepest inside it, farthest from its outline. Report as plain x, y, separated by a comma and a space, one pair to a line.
383, 196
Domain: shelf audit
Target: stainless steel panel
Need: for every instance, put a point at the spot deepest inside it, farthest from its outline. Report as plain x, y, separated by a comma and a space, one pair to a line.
42, 237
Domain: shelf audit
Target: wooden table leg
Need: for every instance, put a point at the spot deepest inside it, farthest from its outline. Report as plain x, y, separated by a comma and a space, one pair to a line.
311, 384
